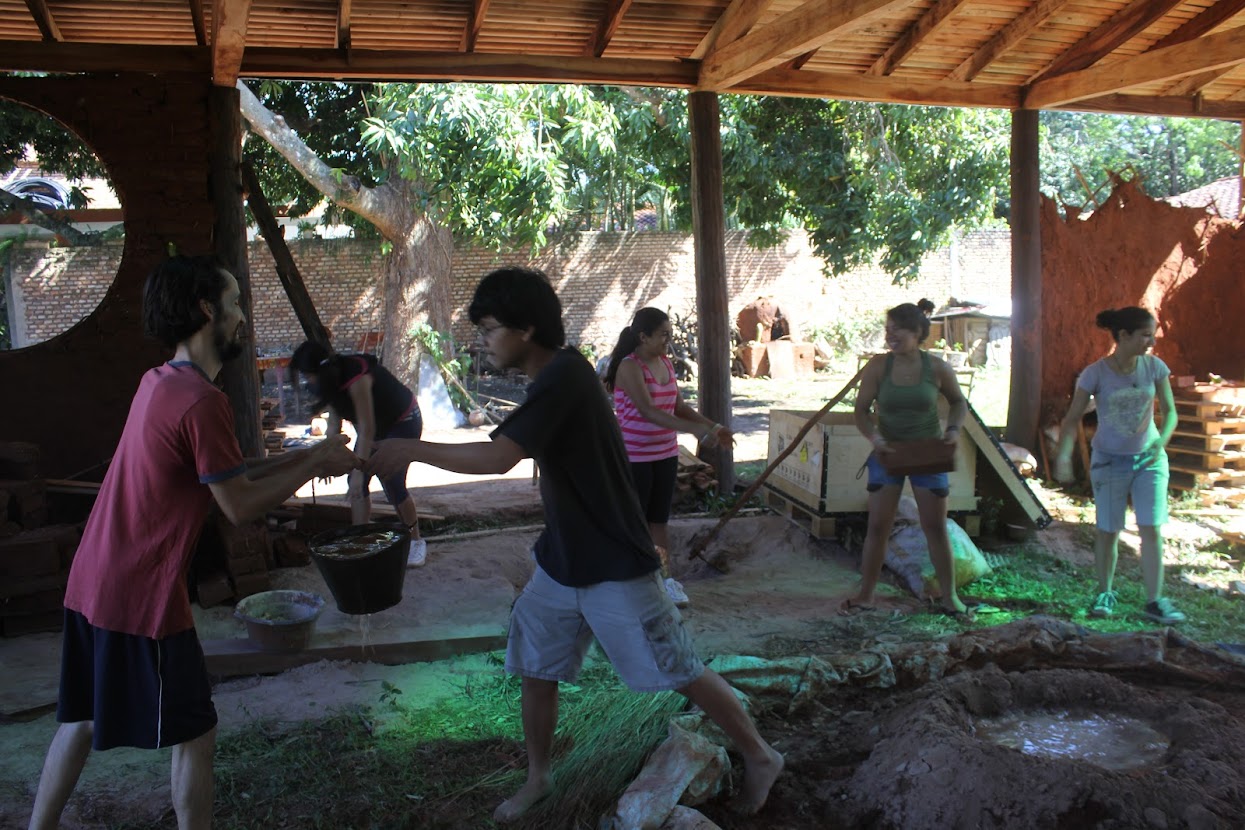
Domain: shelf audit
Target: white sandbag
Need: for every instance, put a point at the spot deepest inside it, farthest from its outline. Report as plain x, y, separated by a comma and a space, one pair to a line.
687, 767
907, 554
435, 406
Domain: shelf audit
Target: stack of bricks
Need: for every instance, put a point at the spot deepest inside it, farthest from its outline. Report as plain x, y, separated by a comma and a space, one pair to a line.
1207, 450
247, 554
270, 419
34, 558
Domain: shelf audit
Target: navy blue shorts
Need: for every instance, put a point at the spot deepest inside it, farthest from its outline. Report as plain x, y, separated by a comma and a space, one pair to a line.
654, 484
412, 426
137, 691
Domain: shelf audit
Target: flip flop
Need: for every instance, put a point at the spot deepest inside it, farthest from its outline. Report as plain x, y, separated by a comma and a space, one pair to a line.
854, 609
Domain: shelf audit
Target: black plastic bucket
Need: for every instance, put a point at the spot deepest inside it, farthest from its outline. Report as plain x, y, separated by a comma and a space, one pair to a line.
364, 583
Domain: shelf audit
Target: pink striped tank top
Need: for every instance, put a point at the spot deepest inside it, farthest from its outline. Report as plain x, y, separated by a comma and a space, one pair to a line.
644, 439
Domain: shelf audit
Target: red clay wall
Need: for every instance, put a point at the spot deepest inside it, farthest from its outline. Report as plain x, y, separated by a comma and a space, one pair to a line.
71, 394
1182, 264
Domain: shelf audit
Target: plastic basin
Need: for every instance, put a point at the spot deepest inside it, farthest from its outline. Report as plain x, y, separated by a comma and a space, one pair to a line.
280, 620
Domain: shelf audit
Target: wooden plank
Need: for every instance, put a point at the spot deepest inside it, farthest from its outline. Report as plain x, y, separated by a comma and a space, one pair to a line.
1201, 442
1200, 459
614, 12
810, 84
817, 525
1169, 63
343, 23
1205, 23
808, 26
1111, 35
475, 21
1209, 411
740, 16
197, 19
1211, 425
1226, 393
233, 657
1006, 39
989, 448
44, 20
918, 33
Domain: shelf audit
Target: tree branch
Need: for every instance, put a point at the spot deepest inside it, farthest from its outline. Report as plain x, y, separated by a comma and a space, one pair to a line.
30, 210
377, 205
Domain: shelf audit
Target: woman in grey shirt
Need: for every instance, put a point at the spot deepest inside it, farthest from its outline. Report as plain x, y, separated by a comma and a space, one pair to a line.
1129, 453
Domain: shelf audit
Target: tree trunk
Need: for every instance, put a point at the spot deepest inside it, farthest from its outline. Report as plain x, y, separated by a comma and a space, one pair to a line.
417, 287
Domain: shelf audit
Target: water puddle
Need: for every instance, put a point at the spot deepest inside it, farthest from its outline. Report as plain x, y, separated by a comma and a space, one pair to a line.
1111, 741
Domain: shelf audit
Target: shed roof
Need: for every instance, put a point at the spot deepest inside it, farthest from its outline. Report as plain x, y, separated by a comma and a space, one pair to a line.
1163, 57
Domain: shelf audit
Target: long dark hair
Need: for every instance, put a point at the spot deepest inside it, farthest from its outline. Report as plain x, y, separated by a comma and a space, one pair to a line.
520, 298
311, 358
1129, 319
646, 321
913, 317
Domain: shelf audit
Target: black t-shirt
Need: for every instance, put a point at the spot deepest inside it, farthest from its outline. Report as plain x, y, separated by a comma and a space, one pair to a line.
595, 530
390, 399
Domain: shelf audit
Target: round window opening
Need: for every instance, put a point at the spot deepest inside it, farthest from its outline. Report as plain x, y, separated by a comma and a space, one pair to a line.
61, 228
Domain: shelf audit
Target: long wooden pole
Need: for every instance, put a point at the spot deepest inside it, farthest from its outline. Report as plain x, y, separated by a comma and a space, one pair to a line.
700, 542
1024, 405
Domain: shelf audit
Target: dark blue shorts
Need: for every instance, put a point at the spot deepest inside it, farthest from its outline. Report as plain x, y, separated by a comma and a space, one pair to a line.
412, 426
937, 483
654, 483
137, 691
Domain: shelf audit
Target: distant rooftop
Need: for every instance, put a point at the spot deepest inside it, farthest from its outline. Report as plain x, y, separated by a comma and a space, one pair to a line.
1222, 198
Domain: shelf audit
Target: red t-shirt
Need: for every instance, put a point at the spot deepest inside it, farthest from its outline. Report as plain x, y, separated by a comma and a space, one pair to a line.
129, 574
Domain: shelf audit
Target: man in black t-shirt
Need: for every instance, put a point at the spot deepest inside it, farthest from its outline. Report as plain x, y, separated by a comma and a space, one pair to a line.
597, 571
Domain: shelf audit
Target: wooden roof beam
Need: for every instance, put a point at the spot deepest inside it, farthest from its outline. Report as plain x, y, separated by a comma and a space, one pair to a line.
740, 16
228, 39
1010, 35
344, 10
805, 28
929, 23
1226, 109
1203, 24
196, 18
43, 19
808, 84
1170, 63
614, 11
1108, 37
475, 22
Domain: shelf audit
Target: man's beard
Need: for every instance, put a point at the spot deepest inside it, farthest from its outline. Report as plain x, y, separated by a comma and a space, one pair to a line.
227, 348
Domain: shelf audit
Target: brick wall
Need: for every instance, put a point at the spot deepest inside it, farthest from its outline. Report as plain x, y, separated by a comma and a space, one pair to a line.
602, 278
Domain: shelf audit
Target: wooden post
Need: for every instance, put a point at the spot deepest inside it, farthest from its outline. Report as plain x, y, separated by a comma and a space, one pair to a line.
1024, 406
287, 269
713, 318
239, 377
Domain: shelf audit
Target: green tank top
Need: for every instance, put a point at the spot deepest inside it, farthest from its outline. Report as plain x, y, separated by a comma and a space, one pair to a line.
908, 413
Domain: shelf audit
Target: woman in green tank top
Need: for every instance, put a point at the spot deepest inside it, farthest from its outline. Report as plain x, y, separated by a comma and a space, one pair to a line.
905, 384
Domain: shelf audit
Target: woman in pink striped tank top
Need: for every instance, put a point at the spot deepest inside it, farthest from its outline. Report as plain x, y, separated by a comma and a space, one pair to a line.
651, 412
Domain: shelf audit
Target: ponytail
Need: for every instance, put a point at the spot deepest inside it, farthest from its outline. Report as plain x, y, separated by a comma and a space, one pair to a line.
628, 342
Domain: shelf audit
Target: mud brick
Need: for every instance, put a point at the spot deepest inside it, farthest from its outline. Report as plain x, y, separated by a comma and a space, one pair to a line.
32, 553
243, 565
244, 586
214, 590
19, 460
250, 539
33, 623
42, 602
291, 551
28, 504
15, 588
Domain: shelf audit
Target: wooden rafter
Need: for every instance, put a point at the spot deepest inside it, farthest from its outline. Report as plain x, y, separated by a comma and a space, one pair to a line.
806, 27
929, 23
1226, 109
798, 62
196, 18
1010, 35
1108, 37
43, 19
740, 16
343, 24
614, 11
1203, 24
807, 84
1170, 63
475, 21
228, 39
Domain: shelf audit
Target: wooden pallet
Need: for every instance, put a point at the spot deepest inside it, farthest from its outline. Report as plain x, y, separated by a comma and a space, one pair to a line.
1182, 479
1227, 392
1211, 425
1193, 459
1184, 440
818, 526
1208, 409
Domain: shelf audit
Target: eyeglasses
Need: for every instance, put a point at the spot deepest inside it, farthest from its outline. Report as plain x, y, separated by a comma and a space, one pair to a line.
483, 332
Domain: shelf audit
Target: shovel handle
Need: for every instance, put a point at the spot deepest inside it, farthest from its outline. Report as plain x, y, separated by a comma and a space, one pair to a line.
698, 547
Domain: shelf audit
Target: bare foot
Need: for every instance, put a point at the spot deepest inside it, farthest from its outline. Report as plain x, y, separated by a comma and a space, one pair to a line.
758, 778
852, 606
522, 801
